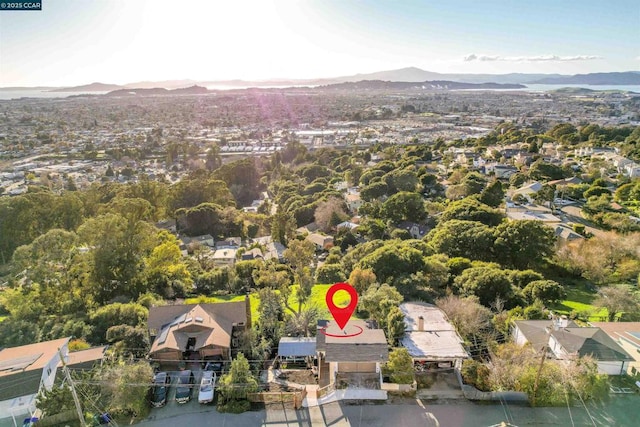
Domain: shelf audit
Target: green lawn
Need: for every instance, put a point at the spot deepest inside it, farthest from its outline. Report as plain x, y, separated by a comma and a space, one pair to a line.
579, 300
318, 294
253, 299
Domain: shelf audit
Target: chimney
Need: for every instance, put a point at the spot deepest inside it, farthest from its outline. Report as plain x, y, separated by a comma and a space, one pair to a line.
421, 323
563, 322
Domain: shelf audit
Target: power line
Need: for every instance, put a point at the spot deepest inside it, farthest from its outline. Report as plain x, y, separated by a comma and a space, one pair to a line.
76, 401
566, 395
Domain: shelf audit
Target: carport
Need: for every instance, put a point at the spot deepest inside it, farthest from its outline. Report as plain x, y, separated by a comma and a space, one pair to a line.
297, 350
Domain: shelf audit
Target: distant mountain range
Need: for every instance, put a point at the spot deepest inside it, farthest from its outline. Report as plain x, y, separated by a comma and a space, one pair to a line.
426, 85
191, 90
92, 87
359, 85
628, 78
407, 75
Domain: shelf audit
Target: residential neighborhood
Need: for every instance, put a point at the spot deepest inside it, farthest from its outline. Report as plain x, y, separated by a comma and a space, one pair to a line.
166, 257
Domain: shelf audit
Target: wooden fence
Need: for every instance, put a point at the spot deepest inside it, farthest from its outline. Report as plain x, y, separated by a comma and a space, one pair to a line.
293, 397
328, 389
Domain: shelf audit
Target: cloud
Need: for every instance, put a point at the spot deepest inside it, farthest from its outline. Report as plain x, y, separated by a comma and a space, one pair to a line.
539, 58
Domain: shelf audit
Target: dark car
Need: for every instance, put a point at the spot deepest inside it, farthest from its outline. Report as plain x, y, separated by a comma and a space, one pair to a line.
215, 364
185, 386
160, 389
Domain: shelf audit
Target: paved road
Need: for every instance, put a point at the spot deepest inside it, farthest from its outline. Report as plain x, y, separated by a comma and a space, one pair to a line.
621, 411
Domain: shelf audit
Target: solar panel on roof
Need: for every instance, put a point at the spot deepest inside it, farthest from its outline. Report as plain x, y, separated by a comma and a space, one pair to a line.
163, 334
19, 363
179, 319
634, 334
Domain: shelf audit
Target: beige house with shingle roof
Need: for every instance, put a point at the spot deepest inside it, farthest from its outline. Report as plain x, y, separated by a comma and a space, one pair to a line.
207, 329
627, 335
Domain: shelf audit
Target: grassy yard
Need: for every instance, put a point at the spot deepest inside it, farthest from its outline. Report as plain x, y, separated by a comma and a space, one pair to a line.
318, 294
254, 300
579, 300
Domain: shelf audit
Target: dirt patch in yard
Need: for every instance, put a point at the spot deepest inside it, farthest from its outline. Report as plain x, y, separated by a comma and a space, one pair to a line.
298, 377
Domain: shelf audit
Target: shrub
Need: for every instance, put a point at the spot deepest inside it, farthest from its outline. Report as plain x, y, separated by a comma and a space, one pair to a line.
476, 374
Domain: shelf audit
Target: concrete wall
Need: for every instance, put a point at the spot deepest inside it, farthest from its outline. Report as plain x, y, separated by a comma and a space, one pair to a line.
393, 387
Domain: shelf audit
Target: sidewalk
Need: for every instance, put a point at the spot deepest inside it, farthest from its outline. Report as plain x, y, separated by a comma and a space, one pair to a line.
344, 394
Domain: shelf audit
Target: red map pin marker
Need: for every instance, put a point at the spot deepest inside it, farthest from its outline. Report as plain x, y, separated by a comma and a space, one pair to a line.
342, 314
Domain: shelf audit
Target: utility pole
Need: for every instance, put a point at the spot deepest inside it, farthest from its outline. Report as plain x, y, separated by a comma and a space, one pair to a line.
73, 390
535, 384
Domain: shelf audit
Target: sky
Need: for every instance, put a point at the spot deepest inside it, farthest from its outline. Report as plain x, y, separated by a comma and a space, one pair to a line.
73, 42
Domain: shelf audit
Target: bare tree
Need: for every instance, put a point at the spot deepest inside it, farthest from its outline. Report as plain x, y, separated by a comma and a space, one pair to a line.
330, 213
617, 299
468, 316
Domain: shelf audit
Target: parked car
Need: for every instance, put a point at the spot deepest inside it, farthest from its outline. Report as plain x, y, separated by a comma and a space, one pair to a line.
215, 364
184, 387
207, 387
160, 389
562, 202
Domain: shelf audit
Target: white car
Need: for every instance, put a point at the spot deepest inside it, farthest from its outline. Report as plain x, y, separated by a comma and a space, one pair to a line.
207, 387
562, 202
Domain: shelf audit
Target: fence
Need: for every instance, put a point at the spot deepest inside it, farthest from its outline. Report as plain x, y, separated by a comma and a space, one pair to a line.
294, 397
328, 389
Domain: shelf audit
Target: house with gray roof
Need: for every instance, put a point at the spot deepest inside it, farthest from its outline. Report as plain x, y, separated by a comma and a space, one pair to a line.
564, 340
351, 358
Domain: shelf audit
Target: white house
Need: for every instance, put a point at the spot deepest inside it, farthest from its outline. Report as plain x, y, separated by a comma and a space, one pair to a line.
354, 202
321, 241
429, 337
564, 340
224, 257
632, 170
24, 372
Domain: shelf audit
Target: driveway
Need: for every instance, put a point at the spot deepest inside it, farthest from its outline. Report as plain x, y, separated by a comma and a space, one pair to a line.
573, 213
